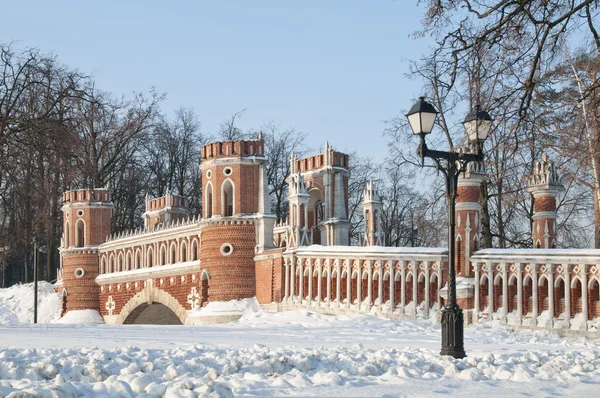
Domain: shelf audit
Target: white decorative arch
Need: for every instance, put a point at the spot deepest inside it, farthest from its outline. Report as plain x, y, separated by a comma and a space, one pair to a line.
233, 195
150, 257
526, 280
157, 296
591, 282
397, 276
194, 250
67, 235
365, 275
306, 272
386, 276
162, 254
499, 279
138, 258
512, 280
183, 255
484, 278
173, 253
558, 279
210, 201
421, 277
315, 272
408, 277
433, 277
355, 274
205, 276
376, 275
574, 281
111, 263
543, 280
120, 262
103, 264
80, 234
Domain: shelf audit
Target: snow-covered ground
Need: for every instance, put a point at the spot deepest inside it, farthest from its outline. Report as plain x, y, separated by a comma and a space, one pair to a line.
296, 353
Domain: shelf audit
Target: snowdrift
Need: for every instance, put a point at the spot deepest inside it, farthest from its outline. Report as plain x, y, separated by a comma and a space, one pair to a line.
16, 304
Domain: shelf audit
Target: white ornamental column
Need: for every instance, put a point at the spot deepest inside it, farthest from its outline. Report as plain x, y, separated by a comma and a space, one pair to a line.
426, 263
380, 283
287, 279
567, 297
310, 282
505, 290
534, 281
369, 283
476, 298
292, 278
301, 280
328, 282
319, 276
439, 284
550, 272
415, 286
519, 294
338, 282
349, 283
359, 285
584, 297
392, 277
490, 270
402, 286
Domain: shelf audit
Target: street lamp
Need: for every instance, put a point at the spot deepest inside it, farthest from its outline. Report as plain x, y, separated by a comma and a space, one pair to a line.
477, 127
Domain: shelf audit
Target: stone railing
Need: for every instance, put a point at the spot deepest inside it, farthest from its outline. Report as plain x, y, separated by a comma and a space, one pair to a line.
538, 288
396, 282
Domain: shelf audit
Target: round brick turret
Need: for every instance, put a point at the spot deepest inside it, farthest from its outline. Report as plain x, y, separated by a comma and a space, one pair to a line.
228, 256
86, 224
468, 215
545, 185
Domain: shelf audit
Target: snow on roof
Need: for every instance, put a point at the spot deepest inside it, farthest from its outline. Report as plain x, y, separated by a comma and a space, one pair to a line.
568, 255
315, 250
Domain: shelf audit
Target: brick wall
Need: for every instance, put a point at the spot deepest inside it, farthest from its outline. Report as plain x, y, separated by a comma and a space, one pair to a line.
270, 277
231, 276
82, 292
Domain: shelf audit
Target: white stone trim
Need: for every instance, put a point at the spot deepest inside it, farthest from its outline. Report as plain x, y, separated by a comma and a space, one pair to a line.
156, 271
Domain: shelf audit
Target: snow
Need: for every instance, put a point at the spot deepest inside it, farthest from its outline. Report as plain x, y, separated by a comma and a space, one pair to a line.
293, 353
233, 307
81, 316
16, 304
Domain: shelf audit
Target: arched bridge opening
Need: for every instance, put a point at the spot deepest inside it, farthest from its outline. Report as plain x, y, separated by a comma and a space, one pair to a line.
152, 314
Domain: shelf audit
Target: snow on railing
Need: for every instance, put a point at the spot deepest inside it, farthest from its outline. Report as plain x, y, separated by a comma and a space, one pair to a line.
538, 288
394, 281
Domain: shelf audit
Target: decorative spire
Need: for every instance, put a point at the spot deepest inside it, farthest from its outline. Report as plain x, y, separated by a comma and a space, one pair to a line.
545, 173
371, 194
260, 135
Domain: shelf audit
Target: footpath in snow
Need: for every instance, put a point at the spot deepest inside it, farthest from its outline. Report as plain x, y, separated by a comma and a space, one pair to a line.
295, 353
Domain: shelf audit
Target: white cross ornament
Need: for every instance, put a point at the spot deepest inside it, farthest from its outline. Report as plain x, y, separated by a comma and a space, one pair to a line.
193, 298
110, 305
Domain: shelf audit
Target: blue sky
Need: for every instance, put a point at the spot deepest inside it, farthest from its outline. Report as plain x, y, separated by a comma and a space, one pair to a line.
333, 69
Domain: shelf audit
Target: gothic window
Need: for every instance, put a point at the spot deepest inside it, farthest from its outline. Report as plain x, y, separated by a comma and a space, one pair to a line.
194, 250
67, 235
209, 200
227, 198
80, 234
319, 212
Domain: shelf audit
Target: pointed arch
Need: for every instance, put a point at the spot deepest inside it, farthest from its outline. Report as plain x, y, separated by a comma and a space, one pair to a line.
150, 257
120, 262
173, 253
228, 198
103, 264
111, 263
499, 279
138, 259
183, 255
209, 208
80, 233
194, 250
162, 255
67, 235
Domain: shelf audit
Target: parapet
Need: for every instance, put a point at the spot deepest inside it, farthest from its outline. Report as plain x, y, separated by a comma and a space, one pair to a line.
86, 196
233, 149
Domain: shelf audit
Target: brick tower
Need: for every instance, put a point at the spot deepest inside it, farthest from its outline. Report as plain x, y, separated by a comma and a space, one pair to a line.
238, 221
372, 209
468, 216
545, 185
164, 210
86, 224
325, 179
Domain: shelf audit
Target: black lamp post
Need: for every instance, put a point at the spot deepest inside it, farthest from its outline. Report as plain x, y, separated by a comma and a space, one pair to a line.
477, 126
